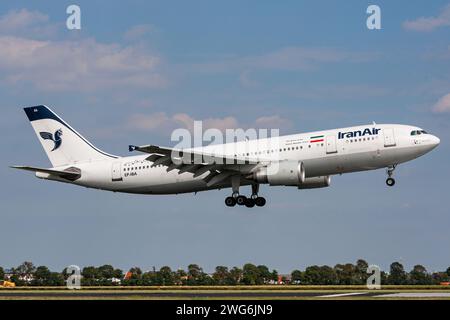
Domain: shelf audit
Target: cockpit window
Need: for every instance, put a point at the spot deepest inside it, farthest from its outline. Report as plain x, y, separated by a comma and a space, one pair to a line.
417, 132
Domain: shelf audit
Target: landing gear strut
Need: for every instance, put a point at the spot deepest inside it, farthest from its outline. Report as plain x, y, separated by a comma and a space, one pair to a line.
390, 170
259, 201
235, 197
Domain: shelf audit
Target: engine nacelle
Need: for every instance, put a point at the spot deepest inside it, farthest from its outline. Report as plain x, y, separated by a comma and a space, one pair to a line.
316, 182
283, 173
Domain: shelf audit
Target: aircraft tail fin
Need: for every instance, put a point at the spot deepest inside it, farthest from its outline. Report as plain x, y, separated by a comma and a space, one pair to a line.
62, 144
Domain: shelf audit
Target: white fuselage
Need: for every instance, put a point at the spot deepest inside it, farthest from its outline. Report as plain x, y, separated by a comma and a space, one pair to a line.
322, 153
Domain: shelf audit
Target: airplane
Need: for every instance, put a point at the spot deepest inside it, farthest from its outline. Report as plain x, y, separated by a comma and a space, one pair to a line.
306, 160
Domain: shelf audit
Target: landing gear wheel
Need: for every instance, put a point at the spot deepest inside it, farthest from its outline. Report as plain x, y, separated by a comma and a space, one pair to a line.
390, 182
230, 201
249, 202
240, 200
260, 201
390, 171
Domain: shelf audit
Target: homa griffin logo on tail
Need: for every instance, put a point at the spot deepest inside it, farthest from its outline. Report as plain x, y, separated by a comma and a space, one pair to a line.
358, 133
56, 138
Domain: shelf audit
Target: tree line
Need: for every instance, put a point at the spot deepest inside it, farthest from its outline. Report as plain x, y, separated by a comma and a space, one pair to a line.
27, 274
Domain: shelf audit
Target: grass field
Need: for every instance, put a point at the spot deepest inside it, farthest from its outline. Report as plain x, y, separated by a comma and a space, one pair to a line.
226, 292
240, 288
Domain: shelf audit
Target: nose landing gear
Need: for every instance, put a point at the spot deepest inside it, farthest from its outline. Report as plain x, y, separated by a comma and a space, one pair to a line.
390, 181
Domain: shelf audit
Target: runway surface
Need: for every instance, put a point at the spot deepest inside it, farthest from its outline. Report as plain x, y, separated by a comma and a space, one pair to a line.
143, 294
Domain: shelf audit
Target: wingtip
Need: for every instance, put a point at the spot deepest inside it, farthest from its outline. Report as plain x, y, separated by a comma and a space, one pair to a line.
131, 148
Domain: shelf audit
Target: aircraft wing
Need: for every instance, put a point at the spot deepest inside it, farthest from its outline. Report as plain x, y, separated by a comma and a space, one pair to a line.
71, 173
197, 162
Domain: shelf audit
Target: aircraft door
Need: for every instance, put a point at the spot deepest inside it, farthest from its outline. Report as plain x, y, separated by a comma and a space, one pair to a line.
389, 137
116, 171
331, 144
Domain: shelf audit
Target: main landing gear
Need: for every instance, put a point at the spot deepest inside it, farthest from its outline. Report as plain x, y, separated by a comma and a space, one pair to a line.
242, 200
390, 170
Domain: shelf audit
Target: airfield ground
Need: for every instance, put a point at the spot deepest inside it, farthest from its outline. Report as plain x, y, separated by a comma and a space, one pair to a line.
241, 293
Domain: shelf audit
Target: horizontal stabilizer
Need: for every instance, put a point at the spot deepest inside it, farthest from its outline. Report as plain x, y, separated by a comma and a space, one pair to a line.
71, 173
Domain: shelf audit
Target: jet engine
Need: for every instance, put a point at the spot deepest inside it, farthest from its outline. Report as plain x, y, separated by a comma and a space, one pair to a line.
283, 173
289, 173
316, 182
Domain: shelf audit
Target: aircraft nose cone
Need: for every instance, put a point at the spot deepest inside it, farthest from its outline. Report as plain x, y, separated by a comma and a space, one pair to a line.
436, 141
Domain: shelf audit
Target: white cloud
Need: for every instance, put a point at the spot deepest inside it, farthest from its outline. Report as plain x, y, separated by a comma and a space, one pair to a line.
443, 104
429, 23
246, 81
26, 23
332, 91
151, 122
163, 123
221, 123
83, 65
285, 59
139, 31
272, 122
70, 65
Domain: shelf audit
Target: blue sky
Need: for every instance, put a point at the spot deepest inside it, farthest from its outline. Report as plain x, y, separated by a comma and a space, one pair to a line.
136, 71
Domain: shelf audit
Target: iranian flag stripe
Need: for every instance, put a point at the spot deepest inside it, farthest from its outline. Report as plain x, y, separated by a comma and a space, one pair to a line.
316, 139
